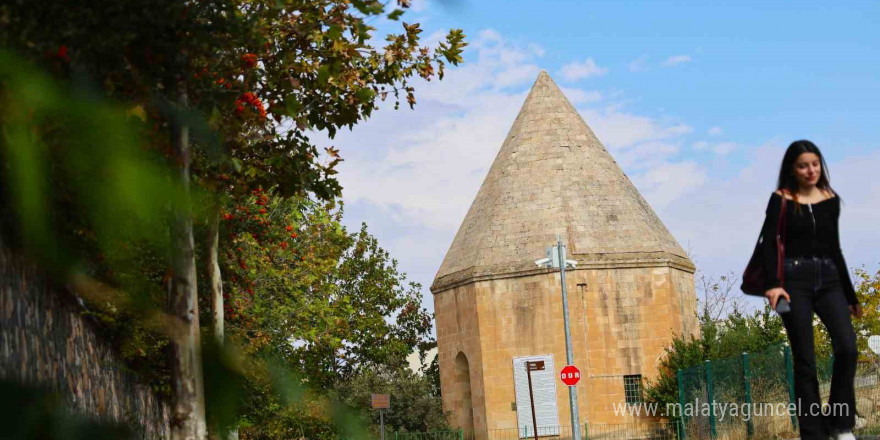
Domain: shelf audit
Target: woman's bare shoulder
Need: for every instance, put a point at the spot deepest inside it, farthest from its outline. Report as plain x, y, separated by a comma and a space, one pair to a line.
827, 193
779, 193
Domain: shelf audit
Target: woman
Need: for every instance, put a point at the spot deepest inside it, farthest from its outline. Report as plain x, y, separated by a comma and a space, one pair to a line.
815, 280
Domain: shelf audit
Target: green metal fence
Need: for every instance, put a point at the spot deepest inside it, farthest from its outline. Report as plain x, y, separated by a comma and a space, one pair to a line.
761, 383
435, 435
752, 393
615, 431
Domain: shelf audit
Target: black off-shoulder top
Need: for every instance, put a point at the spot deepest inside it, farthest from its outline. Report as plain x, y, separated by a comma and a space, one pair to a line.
811, 232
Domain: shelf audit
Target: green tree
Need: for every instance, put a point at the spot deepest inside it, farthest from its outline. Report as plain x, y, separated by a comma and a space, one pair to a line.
310, 66
303, 289
414, 407
178, 64
867, 287
720, 337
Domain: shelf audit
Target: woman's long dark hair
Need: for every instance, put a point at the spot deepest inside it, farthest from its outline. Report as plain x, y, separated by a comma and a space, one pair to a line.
787, 180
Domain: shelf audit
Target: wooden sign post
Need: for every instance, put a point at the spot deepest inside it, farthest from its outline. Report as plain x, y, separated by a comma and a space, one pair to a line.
381, 402
533, 366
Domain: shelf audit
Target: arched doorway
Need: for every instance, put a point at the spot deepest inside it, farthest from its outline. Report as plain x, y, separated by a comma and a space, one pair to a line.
465, 407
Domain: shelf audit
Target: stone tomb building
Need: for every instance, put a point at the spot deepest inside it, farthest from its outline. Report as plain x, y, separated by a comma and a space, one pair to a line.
632, 290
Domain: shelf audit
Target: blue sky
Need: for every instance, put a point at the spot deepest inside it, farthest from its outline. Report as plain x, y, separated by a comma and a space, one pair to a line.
697, 102
810, 66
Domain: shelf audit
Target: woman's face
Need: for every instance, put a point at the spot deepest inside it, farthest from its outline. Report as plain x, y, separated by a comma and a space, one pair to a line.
807, 169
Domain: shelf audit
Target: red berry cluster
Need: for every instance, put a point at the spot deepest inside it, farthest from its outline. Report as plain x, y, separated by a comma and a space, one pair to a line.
62, 53
250, 98
249, 60
272, 240
262, 200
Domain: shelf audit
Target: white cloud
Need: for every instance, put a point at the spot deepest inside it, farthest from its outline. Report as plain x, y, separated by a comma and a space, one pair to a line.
499, 64
676, 60
517, 75
582, 70
715, 131
723, 148
646, 155
640, 64
412, 175
666, 182
719, 148
536, 49
859, 215
581, 96
416, 365
419, 5
619, 130
411, 161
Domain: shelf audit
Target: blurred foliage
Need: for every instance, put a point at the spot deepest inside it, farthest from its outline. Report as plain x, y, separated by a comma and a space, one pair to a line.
87, 111
29, 413
88, 201
280, 295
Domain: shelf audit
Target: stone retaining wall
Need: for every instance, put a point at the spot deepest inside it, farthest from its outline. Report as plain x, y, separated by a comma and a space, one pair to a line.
45, 340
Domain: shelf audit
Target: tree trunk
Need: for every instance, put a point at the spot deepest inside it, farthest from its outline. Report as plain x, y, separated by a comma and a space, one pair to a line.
216, 279
213, 271
188, 411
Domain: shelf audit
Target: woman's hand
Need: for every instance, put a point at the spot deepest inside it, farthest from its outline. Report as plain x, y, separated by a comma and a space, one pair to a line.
856, 310
774, 294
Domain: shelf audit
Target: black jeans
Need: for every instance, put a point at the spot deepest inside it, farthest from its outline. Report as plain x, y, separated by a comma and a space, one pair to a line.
813, 284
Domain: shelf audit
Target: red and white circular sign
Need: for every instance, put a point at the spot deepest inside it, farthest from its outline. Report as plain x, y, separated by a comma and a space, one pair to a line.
570, 375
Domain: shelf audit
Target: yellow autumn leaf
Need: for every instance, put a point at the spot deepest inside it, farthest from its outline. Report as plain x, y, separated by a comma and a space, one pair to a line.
137, 111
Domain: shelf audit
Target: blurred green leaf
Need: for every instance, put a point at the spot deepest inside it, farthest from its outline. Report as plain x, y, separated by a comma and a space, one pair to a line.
395, 14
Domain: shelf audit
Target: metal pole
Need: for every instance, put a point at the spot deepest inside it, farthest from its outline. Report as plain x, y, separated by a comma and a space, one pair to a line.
569, 355
681, 402
532, 400
382, 423
747, 384
710, 396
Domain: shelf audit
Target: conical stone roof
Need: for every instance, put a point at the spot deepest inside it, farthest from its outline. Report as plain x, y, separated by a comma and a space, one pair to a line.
552, 175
